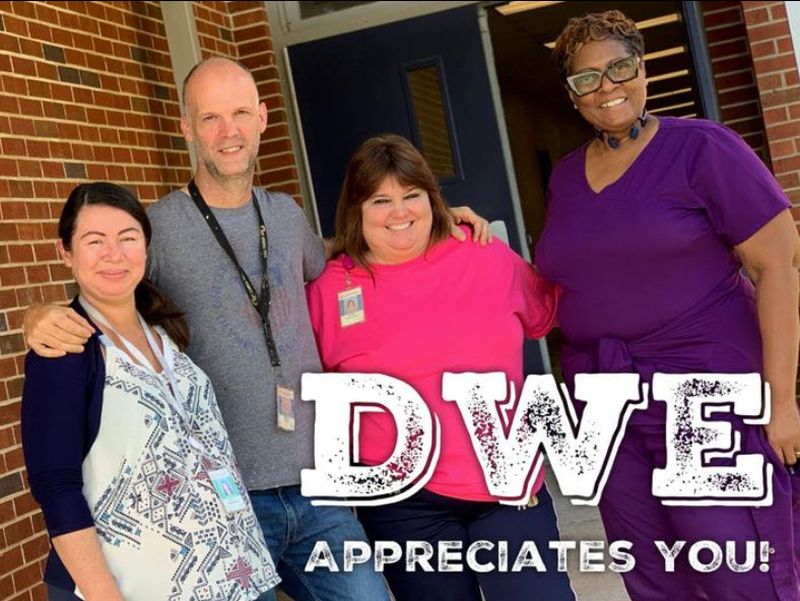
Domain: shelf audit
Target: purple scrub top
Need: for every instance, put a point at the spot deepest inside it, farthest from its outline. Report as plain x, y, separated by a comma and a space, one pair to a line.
649, 277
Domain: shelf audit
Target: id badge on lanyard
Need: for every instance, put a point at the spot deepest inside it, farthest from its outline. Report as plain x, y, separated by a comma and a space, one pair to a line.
227, 490
351, 307
284, 394
351, 299
284, 399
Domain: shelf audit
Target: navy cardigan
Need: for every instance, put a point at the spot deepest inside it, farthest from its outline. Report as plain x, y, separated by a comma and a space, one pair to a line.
61, 406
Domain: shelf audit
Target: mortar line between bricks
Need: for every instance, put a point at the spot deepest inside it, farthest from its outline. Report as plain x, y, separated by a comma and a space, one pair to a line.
735, 72
724, 26
83, 161
88, 52
72, 12
769, 23
737, 88
728, 41
740, 55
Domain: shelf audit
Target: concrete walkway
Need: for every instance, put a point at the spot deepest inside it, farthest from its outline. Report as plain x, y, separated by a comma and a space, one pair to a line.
581, 523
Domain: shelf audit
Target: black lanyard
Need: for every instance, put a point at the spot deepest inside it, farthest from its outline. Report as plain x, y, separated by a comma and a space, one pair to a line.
262, 302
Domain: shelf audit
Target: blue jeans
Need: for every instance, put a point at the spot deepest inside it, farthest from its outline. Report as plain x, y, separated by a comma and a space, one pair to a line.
292, 526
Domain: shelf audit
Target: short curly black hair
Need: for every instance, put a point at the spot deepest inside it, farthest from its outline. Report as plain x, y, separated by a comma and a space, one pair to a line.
594, 27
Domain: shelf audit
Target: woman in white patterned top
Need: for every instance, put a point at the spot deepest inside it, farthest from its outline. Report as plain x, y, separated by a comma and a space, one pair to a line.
124, 443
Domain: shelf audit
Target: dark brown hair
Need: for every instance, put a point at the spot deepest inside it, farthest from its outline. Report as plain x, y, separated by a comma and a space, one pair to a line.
594, 27
150, 302
376, 158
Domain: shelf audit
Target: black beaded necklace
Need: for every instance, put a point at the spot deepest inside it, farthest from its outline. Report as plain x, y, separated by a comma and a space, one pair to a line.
614, 142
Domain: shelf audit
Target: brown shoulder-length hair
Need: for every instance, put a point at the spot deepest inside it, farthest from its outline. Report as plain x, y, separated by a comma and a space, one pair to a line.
377, 158
594, 27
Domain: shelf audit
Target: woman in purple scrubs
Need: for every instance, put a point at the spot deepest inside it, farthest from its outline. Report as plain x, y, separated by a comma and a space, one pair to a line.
649, 225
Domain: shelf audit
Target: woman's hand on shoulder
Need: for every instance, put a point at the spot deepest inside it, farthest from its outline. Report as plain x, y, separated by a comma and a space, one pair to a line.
481, 232
328, 244
54, 331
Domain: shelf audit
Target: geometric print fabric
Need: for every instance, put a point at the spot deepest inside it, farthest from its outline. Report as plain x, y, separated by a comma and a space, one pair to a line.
164, 531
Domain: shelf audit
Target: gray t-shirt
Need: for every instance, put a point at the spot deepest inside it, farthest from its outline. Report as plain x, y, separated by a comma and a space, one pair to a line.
227, 338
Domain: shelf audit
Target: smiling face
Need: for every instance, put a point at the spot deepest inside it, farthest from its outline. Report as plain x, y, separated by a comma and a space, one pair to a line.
223, 120
396, 222
615, 106
107, 254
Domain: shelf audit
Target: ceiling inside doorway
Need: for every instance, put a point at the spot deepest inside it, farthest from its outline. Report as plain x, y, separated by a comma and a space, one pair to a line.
671, 81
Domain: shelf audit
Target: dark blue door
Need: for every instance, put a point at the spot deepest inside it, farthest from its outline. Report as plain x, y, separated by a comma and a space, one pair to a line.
355, 85
425, 78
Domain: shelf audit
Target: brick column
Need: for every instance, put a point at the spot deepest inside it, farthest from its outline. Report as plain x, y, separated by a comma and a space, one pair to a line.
778, 83
277, 166
734, 77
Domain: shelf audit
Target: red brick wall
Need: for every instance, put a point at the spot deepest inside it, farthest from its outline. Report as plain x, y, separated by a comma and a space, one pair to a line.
214, 29
779, 89
734, 75
277, 167
241, 30
87, 93
776, 71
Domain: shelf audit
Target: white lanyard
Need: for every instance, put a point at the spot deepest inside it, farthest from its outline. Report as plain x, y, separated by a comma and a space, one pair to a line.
173, 391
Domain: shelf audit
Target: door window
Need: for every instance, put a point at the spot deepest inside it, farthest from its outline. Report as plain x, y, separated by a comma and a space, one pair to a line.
431, 119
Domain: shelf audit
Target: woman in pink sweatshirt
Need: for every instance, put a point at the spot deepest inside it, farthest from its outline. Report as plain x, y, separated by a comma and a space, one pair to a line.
402, 298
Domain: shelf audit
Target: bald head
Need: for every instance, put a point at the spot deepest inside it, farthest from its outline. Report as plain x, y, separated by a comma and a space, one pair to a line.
206, 72
223, 121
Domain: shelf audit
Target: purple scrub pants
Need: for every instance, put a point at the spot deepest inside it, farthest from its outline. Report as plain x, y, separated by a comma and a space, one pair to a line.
630, 512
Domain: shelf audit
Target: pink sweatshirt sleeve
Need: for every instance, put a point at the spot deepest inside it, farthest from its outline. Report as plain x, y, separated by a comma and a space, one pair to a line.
536, 299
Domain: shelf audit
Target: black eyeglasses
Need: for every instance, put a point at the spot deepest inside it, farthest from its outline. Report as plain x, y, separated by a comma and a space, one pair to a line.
620, 71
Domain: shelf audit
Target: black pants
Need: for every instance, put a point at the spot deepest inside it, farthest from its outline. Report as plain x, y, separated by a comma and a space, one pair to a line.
432, 518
